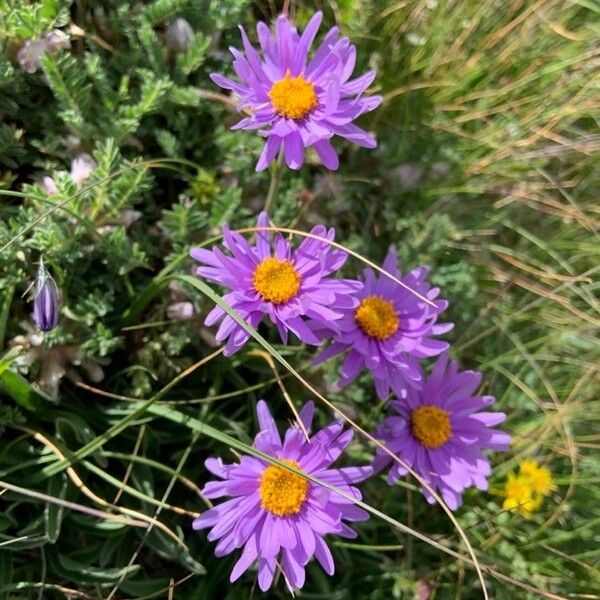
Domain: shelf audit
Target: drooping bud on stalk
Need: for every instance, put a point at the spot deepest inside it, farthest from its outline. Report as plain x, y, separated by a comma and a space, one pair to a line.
46, 300
179, 35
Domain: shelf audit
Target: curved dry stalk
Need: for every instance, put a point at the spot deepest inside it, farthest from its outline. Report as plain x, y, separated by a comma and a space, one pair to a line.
133, 492
224, 99
135, 554
172, 585
519, 264
187, 402
72, 505
114, 430
106, 394
201, 427
336, 411
269, 360
474, 561
41, 585
151, 164
333, 244
182, 478
562, 507
149, 522
136, 448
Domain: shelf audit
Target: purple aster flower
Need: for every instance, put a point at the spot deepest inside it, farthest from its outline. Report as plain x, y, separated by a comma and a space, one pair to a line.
440, 433
278, 517
287, 285
297, 102
390, 331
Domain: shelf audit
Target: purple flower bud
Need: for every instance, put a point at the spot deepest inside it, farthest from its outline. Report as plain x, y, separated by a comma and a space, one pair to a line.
45, 301
179, 35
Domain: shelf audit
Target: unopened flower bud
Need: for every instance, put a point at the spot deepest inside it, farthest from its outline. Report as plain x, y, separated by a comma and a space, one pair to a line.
179, 35
46, 300
180, 311
423, 590
49, 186
30, 55
56, 40
81, 168
129, 217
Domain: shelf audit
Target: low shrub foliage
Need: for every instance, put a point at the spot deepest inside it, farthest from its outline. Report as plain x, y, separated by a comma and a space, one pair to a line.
354, 337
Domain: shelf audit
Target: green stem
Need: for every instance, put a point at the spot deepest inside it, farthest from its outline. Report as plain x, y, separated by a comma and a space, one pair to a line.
4, 311
276, 175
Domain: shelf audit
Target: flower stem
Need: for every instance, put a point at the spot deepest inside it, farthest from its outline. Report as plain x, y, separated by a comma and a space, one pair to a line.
276, 175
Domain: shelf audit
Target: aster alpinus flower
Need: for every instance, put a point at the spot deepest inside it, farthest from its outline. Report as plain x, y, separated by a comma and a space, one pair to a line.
273, 279
298, 103
390, 331
277, 517
440, 431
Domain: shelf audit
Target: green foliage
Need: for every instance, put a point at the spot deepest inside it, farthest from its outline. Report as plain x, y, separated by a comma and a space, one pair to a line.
28, 20
485, 171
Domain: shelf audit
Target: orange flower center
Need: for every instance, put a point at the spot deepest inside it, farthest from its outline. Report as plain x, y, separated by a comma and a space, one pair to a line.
377, 317
276, 280
293, 97
281, 491
431, 426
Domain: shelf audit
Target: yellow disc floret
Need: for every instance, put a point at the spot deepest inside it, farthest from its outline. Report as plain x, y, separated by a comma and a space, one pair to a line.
293, 97
431, 426
276, 280
377, 317
281, 491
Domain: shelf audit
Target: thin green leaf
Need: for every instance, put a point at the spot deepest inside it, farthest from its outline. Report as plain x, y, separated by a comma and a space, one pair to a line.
53, 513
16, 386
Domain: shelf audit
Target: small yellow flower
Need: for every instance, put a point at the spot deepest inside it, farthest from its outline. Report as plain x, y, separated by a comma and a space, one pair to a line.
525, 492
540, 477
